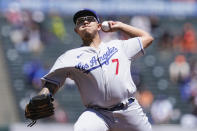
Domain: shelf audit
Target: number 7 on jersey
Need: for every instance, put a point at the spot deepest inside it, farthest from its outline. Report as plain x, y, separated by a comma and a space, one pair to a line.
117, 64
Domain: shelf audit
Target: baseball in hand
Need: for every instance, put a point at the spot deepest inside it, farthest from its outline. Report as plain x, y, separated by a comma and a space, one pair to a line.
105, 26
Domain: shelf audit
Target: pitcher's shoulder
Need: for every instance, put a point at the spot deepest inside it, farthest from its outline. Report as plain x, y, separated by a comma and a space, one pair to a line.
113, 42
70, 53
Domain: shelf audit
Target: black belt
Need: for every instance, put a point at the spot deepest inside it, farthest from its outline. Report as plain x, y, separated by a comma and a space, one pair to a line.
119, 106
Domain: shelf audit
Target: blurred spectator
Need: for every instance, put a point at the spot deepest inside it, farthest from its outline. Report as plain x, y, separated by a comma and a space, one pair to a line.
40, 72
154, 20
189, 89
189, 39
161, 111
34, 43
26, 34
20, 40
193, 67
185, 91
194, 104
13, 14
142, 22
145, 99
165, 41
34, 70
38, 16
193, 94
179, 69
60, 115
177, 42
188, 121
58, 27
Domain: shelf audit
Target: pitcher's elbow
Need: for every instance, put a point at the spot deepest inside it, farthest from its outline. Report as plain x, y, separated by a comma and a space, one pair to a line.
148, 39
151, 39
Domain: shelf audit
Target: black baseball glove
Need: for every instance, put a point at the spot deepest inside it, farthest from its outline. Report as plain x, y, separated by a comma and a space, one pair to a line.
40, 106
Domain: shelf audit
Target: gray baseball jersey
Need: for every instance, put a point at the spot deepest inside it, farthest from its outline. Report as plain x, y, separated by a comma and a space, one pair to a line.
102, 75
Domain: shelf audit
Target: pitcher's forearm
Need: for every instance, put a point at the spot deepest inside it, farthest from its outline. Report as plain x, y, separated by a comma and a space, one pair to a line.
133, 31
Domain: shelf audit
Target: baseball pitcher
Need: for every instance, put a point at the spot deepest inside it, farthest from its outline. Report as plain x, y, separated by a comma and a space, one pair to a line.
101, 71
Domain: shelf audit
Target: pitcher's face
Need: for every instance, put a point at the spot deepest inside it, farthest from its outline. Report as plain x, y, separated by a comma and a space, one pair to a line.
87, 26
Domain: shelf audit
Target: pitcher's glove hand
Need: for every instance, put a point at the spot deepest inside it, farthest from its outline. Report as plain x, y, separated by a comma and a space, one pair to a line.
40, 106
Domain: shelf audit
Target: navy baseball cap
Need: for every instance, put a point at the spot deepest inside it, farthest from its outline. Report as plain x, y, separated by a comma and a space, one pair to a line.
83, 13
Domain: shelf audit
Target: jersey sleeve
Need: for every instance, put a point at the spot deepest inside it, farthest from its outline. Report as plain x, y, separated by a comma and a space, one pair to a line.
57, 75
133, 47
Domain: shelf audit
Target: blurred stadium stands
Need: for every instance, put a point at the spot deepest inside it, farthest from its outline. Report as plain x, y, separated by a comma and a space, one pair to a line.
32, 39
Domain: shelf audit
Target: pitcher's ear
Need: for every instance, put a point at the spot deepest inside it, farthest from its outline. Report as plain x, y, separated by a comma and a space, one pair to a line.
99, 26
